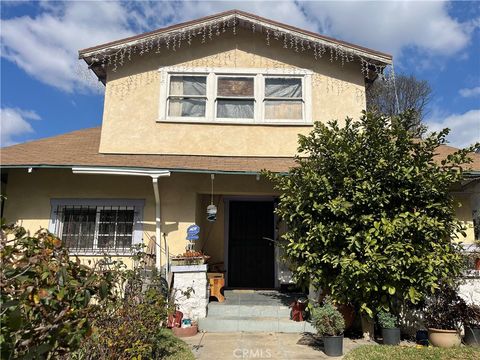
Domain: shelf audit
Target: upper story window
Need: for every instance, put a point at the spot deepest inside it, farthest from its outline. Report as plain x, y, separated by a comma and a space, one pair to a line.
187, 96
259, 96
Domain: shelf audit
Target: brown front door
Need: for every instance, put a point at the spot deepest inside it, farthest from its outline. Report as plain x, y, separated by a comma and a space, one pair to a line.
250, 257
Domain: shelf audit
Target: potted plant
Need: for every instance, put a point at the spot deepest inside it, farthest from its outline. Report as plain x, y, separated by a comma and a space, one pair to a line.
444, 313
330, 324
390, 331
472, 326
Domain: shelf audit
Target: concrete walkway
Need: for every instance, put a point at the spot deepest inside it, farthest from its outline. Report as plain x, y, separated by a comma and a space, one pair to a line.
243, 345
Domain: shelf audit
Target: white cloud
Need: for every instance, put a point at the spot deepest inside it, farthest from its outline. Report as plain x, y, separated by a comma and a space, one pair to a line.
391, 26
465, 128
15, 122
46, 45
470, 92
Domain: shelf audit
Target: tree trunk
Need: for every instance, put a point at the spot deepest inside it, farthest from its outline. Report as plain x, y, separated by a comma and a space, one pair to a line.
367, 327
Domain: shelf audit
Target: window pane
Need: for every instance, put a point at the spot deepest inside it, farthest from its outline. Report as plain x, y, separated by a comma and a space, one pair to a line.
106, 229
235, 86
115, 229
78, 227
283, 110
240, 109
124, 228
283, 87
186, 107
188, 85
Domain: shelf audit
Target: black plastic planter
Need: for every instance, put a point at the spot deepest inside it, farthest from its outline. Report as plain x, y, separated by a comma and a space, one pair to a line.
391, 336
333, 345
472, 335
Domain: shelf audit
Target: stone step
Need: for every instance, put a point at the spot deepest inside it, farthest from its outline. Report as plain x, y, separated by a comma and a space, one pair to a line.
248, 311
248, 324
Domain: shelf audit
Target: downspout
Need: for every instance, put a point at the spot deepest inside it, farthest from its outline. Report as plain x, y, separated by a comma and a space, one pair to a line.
158, 246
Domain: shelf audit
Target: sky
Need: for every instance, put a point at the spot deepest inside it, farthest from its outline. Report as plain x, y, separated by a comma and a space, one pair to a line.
43, 92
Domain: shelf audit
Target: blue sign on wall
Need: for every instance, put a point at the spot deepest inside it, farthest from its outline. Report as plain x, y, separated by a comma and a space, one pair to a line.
192, 232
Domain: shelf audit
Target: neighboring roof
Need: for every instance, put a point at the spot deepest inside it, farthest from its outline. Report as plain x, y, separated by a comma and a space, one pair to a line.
90, 55
80, 148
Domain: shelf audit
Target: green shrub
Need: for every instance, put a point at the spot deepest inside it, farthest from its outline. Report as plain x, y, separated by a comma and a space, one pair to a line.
327, 319
133, 330
387, 320
45, 296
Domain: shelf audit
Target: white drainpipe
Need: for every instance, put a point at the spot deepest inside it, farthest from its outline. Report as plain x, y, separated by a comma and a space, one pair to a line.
158, 239
154, 174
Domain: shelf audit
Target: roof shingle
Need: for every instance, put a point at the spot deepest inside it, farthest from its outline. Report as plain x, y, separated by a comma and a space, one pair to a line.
80, 148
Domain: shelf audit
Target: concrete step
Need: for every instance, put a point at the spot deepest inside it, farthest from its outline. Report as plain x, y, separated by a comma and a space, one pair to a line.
248, 324
248, 311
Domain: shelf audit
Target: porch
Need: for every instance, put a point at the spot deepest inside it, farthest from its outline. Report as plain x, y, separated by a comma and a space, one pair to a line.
253, 311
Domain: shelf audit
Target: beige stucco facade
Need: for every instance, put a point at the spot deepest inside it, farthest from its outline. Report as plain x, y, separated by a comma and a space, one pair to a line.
183, 199
131, 114
468, 200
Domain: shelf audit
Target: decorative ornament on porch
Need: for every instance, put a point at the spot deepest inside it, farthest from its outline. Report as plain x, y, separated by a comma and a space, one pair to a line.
212, 209
192, 235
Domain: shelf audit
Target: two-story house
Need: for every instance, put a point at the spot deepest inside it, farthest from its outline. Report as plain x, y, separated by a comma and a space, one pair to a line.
193, 112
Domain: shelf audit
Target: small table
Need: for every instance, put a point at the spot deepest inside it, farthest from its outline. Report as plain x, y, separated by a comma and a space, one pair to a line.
217, 282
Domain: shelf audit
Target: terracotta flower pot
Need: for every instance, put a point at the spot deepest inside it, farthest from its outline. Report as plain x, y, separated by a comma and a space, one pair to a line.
185, 332
348, 313
444, 338
477, 264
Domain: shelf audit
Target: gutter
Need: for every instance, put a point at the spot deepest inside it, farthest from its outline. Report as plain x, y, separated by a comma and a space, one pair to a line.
140, 169
154, 174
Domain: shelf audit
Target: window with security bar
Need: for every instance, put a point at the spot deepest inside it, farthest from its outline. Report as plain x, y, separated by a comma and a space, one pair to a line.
92, 227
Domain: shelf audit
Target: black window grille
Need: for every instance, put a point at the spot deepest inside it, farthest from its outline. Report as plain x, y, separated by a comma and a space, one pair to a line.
95, 228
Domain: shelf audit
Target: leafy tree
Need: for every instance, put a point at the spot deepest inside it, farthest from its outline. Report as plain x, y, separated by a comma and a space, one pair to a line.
45, 295
412, 93
369, 213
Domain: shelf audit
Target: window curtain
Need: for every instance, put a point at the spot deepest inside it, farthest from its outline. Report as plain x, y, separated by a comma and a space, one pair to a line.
283, 87
181, 87
240, 109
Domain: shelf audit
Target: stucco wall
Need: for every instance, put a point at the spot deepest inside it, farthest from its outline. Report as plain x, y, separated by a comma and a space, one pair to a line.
29, 197
468, 199
133, 91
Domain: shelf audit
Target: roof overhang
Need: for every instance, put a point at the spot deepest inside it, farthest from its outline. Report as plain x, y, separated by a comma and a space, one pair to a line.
95, 56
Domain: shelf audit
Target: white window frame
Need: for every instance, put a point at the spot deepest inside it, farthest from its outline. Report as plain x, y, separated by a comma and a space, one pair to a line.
137, 232
168, 96
259, 75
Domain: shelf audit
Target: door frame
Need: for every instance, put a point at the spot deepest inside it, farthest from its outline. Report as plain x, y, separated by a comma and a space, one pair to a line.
250, 198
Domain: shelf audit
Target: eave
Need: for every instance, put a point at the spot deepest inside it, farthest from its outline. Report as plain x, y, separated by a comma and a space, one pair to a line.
92, 55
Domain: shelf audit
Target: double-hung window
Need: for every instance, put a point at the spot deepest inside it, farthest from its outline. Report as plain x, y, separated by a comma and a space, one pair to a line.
187, 96
87, 225
284, 98
235, 97
259, 96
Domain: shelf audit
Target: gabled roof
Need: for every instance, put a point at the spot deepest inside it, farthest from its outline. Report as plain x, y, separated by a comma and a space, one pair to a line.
93, 55
80, 148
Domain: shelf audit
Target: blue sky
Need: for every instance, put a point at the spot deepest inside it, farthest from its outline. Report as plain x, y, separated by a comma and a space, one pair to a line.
43, 93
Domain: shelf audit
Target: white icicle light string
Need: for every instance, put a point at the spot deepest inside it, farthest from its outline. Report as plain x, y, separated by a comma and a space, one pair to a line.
210, 30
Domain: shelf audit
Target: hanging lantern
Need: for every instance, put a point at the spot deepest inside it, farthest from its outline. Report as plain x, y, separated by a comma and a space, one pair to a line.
211, 209
211, 213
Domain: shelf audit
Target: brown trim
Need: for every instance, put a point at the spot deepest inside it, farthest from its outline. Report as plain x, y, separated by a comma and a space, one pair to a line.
226, 13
